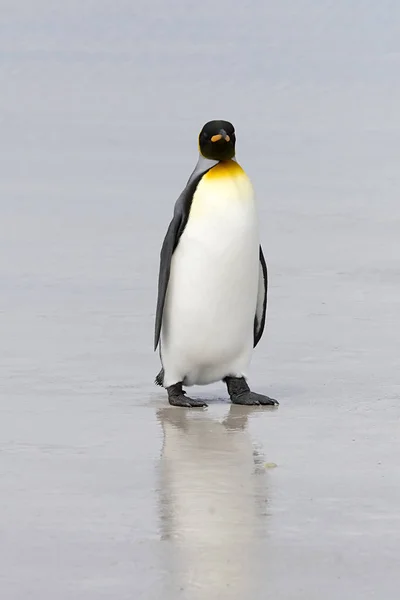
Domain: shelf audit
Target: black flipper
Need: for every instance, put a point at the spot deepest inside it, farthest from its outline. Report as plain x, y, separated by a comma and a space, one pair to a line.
261, 310
175, 230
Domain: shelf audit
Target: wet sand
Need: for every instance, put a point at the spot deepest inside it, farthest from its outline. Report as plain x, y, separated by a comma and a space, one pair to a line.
105, 490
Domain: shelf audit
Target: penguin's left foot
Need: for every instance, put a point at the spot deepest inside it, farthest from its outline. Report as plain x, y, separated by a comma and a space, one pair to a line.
240, 393
177, 397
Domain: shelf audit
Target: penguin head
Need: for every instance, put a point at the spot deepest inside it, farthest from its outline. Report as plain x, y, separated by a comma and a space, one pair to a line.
217, 140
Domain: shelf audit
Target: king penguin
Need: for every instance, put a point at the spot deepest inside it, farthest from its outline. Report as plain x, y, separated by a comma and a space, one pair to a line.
213, 281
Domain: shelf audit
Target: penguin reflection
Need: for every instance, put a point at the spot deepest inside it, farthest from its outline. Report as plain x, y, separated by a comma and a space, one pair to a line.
212, 503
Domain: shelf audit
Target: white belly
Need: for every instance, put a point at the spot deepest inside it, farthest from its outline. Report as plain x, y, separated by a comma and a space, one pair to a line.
208, 318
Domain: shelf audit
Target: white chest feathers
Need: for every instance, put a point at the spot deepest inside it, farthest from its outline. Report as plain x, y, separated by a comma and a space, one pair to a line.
212, 292
223, 204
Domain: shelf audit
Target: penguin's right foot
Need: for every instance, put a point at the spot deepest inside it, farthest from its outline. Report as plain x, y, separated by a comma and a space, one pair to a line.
177, 397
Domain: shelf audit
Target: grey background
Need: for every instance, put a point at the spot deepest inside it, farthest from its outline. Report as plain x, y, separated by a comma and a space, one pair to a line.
103, 492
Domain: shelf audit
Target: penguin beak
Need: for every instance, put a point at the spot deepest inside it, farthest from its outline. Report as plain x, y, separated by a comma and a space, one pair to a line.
222, 135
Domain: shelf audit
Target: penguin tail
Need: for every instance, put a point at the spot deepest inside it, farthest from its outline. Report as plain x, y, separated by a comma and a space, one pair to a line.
159, 380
